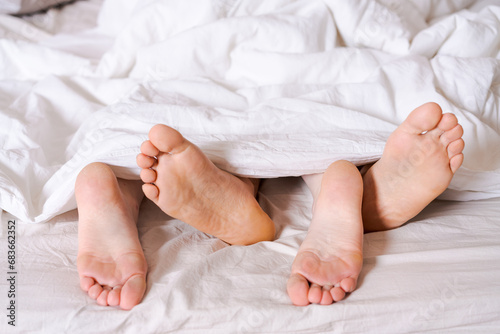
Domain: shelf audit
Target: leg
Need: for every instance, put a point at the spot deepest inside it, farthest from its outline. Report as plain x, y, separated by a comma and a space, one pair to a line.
186, 185
253, 184
329, 260
111, 262
417, 165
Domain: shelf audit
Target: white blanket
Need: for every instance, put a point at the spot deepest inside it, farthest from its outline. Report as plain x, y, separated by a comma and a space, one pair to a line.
265, 88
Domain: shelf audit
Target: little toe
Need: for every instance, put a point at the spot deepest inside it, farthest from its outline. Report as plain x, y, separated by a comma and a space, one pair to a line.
297, 288
151, 191
337, 294
145, 161
132, 292
95, 290
315, 293
148, 175
166, 139
456, 162
348, 284
147, 148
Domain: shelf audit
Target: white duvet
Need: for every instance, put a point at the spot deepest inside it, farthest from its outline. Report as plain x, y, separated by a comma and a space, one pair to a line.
265, 88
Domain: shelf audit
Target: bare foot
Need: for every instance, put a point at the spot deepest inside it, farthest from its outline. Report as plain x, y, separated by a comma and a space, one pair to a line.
330, 259
186, 185
111, 263
418, 163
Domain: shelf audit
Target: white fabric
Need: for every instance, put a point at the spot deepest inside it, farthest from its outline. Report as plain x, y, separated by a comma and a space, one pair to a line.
437, 274
27, 6
265, 88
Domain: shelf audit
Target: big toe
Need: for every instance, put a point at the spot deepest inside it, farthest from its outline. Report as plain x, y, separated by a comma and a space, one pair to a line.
132, 291
166, 139
424, 118
298, 289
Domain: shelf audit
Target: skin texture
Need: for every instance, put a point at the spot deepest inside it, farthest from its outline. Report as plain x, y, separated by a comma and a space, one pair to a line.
111, 262
330, 258
186, 185
417, 165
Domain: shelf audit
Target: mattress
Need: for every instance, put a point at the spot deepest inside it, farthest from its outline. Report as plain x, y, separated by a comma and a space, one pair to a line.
436, 274
267, 89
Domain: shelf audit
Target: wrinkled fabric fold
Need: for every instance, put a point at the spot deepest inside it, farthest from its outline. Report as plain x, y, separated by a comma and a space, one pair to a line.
265, 88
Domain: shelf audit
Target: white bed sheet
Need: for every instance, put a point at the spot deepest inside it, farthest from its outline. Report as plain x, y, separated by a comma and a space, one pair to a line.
437, 274
266, 89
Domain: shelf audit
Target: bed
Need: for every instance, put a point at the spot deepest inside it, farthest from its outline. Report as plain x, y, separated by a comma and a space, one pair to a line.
268, 89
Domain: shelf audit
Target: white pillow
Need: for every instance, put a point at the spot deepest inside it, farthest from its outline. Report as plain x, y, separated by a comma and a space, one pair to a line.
27, 6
